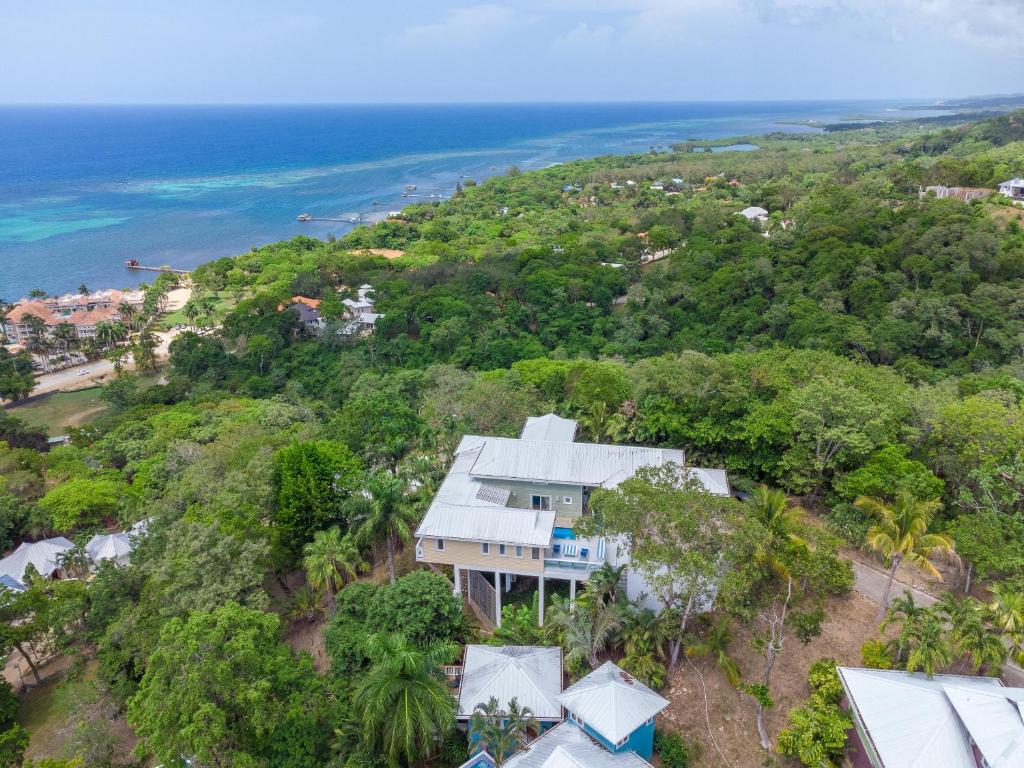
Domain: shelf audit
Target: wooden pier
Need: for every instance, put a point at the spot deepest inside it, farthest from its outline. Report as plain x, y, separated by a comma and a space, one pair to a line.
133, 264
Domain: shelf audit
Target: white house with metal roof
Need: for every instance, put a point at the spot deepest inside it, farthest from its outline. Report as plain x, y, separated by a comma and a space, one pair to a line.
44, 556
508, 505
532, 675
907, 720
1013, 189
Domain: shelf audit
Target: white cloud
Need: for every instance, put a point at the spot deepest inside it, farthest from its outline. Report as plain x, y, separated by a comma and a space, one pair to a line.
583, 35
466, 26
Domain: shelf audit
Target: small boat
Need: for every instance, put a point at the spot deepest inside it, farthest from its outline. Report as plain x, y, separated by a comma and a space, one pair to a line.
410, 187
303, 217
131, 262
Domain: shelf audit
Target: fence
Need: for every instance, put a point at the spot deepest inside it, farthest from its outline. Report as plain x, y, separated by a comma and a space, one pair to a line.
482, 596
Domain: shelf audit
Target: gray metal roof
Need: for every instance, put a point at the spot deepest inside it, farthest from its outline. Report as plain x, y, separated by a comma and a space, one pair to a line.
549, 427
42, 554
11, 583
566, 746
504, 525
909, 718
612, 702
994, 721
112, 546
530, 674
591, 464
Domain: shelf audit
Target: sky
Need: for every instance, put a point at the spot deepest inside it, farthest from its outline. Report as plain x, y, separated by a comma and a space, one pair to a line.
321, 51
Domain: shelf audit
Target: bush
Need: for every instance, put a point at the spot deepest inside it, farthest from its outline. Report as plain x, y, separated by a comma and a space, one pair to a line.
876, 655
824, 680
816, 731
674, 751
421, 606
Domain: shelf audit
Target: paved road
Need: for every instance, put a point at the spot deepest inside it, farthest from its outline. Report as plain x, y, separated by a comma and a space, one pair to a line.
870, 582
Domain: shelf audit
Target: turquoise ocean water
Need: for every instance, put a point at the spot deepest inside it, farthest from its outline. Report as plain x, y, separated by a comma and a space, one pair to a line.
84, 188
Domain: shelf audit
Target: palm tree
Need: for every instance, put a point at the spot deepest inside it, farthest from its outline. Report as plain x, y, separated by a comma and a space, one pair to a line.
643, 629
770, 507
65, 335
109, 333
384, 513
715, 645
929, 643
1006, 612
971, 635
191, 311
128, 313
606, 583
39, 342
586, 633
330, 559
403, 703
901, 534
600, 422
501, 732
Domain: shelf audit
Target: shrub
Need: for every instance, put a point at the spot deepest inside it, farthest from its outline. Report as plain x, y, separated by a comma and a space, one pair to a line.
824, 680
816, 731
420, 605
674, 751
877, 655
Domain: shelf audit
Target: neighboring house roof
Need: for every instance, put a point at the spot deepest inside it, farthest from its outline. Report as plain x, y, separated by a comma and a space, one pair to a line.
506, 525
754, 212
11, 583
579, 463
42, 554
306, 314
368, 318
112, 546
311, 303
20, 311
480, 760
532, 675
566, 746
912, 722
1017, 182
994, 721
354, 305
549, 427
612, 702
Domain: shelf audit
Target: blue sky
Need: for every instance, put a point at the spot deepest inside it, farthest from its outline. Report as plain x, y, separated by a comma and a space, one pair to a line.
246, 51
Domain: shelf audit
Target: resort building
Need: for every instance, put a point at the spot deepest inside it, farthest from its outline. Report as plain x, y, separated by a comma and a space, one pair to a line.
610, 725
1013, 189
507, 507
907, 720
83, 312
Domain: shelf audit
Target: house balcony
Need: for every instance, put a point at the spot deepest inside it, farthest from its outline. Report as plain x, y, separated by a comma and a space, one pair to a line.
572, 558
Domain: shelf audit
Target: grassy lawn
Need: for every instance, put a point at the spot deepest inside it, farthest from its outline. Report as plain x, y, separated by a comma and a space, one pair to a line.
67, 409
223, 305
64, 409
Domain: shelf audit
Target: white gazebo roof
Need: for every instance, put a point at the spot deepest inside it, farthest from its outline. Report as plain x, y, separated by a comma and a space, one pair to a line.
532, 675
42, 554
112, 546
612, 702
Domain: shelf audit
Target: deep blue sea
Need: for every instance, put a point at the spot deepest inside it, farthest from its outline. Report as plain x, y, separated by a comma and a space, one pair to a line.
84, 188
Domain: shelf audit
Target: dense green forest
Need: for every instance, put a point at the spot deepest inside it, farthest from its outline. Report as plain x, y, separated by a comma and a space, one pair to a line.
861, 351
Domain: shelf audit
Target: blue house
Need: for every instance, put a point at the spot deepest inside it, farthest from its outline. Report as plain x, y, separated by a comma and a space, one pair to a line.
615, 709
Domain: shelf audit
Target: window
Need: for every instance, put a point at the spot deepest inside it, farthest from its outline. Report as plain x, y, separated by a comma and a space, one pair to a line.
501, 550
540, 502
567, 499
485, 548
649, 721
622, 742
535, 553
519, 551
440, 545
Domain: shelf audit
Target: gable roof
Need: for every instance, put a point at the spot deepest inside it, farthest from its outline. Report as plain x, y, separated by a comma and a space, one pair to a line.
567, 746
592, 464
42, 554
612, 702
994, 721
549, 427
753, 212
530, 674
910, 720
112, 546
506, 525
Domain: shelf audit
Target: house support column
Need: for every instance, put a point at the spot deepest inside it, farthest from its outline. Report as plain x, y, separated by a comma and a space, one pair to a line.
572, 595
458, 582
497, 598
508, 582
540, 603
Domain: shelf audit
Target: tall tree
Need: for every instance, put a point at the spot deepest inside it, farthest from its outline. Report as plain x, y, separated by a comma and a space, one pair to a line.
403, 703
384, 512
901, 535
501, 732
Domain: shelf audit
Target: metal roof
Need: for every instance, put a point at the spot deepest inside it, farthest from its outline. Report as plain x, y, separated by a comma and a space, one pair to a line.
566, 746
112, 546
530, 674
549, 427
11, 583
612, 702
993, 719
909, 718
42, 554
505, 525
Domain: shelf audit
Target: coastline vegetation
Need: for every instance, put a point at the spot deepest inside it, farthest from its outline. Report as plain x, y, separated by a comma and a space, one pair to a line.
859, 353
